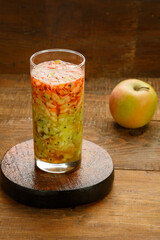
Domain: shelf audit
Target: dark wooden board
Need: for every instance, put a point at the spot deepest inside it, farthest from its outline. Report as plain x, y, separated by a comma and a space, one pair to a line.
24, 182
119, 38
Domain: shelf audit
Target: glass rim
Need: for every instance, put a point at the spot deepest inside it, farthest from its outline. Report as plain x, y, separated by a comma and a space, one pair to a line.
58, 50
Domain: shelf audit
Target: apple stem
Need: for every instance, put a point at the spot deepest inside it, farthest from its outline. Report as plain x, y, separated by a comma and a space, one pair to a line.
141, 88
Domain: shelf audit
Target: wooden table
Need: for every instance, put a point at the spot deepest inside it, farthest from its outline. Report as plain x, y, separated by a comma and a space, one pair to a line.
130, 211
120, 39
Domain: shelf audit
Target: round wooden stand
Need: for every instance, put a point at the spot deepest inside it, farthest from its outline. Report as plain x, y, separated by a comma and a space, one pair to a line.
24, 182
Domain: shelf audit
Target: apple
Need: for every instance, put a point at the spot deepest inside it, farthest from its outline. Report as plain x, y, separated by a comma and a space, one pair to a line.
132, 103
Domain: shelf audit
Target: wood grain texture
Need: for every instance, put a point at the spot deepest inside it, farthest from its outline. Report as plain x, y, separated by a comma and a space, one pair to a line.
148, 37
120, 39
14, 80
130, 211
123, 35
139, 148
133, 204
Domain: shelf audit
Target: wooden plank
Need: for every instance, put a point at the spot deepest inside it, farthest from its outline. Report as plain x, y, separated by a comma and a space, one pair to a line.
13, 132
104, 32
22, 32
148, 38
97, 91
15, 103
104, 85
123, 35
14, 80
139, 149
130, 211
119, 38
129, 149
100, 85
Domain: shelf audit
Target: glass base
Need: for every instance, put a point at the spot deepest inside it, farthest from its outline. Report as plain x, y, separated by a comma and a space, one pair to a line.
57, 168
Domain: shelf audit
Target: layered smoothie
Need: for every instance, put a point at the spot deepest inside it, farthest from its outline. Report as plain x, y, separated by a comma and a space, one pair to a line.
57, 103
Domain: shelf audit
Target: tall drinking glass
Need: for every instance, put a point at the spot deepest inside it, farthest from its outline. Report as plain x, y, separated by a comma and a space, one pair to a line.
57, 80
